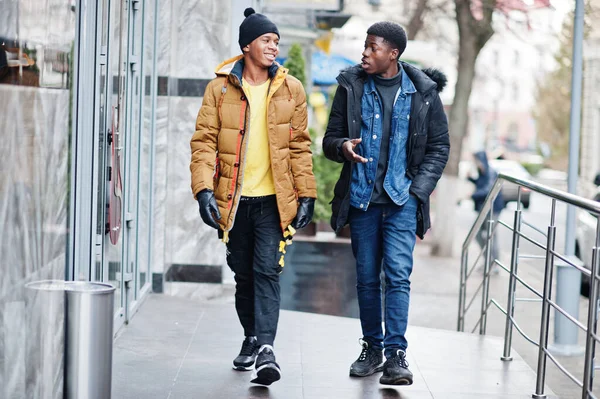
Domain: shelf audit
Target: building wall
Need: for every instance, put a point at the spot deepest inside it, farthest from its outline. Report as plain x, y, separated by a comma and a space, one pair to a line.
507, 71
590, 141
589, 162
194, 37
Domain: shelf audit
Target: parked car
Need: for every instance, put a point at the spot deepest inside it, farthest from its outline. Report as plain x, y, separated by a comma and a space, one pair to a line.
510, 191
585, 240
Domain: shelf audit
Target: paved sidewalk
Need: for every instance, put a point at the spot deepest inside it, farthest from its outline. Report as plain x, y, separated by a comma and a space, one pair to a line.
179, 349
321, 279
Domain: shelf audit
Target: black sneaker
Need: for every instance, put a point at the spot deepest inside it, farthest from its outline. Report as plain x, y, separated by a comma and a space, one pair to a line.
266, 370
370, 361
395, 370
245, 360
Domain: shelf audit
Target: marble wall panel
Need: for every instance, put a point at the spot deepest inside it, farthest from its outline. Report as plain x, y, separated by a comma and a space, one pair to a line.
188, 240
164, 37
8, 18
202, 37
34, 195
51, 22
160, 184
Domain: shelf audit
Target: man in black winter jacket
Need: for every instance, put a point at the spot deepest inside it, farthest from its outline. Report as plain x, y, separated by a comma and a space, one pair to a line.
388, 127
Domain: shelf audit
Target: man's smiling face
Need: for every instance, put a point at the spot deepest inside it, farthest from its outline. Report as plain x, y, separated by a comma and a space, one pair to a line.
264, 49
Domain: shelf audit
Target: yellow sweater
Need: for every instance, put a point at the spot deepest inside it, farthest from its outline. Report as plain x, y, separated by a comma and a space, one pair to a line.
258, 178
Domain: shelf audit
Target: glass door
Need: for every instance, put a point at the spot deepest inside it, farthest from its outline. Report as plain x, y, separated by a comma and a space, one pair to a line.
143, 248
110, 109
134, 106
123, 155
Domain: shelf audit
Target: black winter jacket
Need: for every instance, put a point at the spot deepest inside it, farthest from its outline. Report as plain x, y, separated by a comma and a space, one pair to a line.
428, 144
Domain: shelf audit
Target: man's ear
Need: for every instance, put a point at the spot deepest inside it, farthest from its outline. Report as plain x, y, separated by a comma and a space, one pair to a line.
395, 54
246, 49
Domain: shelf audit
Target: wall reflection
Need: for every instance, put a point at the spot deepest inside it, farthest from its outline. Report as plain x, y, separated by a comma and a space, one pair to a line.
31, 64
36, 41
320, 277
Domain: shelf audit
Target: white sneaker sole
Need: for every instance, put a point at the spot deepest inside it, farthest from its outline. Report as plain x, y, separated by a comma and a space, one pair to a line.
243, 368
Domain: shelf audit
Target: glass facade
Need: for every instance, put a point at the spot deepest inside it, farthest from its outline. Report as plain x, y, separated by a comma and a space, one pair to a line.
77, 98
36, 63
118, 64
98, 100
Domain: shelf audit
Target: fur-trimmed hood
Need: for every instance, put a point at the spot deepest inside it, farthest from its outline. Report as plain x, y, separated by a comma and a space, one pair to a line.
423, 79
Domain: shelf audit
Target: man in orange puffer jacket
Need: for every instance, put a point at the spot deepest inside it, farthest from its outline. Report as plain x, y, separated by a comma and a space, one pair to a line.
252, 176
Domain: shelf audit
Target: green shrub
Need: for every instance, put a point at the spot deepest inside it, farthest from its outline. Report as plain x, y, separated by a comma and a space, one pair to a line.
326, 173
533, 168
296, 64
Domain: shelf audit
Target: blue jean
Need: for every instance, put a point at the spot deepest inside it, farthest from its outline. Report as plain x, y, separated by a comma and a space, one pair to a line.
384, 233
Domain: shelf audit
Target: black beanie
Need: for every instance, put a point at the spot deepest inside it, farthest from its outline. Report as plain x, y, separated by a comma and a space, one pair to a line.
254, 26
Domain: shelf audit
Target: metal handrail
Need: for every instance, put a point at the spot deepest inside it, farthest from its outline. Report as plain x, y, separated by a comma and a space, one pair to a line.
580, 202
563, 196
589, 327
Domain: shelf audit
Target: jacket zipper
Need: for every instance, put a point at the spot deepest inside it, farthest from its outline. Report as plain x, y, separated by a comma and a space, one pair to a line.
237, 177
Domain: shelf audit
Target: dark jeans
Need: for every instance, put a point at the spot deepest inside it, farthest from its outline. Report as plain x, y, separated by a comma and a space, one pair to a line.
384, 233
253, 255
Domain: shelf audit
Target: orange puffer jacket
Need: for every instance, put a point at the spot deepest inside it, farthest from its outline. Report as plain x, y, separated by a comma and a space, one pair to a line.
221, 137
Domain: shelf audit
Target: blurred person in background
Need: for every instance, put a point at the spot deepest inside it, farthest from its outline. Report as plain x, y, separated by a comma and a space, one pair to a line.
484, 181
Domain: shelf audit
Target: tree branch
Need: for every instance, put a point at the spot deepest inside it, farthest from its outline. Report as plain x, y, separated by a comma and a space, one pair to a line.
488, 7
416, 20
481, 30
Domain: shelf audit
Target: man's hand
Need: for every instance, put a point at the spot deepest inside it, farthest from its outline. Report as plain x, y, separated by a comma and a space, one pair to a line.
209, 211
348, 151
306, 208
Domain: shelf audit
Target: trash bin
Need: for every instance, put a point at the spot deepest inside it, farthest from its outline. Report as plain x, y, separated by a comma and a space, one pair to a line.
88, 331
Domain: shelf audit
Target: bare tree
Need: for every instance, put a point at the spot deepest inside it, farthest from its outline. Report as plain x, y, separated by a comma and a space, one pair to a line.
473, 34
415, 24
474, 30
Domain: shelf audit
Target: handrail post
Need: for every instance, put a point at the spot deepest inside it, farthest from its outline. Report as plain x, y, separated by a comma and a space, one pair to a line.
486, 274
590, 347
512, 283
462, 292
543, 343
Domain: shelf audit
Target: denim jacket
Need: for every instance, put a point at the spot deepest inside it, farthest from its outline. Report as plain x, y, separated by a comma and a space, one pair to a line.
427, 148
396, 182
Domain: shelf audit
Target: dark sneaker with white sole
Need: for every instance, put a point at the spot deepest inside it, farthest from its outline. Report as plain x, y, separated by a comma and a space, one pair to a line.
369, 361
395, 370
266, 370
245, 360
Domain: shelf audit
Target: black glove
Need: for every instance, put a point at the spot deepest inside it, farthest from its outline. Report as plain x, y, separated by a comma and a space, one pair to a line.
306, 208
209, 211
